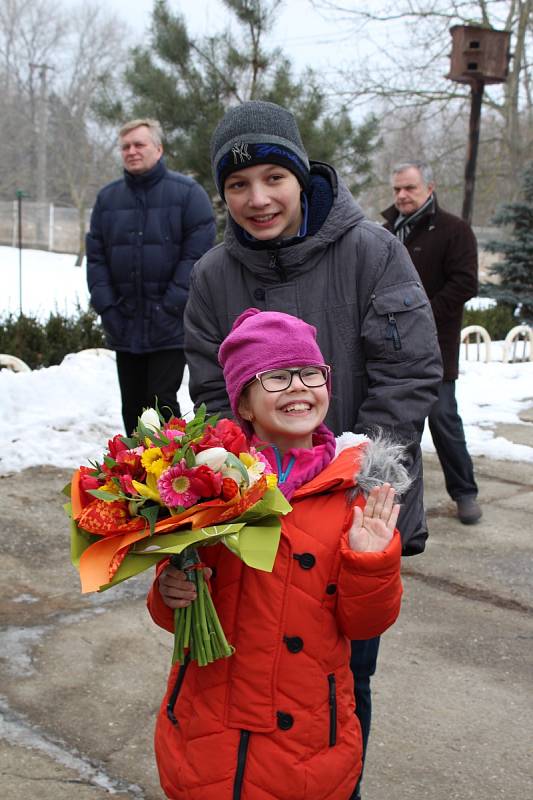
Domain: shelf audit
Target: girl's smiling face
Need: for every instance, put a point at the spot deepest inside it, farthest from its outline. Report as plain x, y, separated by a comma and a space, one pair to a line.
265, 201
286, 418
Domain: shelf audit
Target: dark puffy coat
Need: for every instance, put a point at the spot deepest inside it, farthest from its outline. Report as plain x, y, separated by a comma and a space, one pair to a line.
146, 233
444, 252
356, 284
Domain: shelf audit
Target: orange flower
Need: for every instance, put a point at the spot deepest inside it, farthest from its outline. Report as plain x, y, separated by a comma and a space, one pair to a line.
229, 488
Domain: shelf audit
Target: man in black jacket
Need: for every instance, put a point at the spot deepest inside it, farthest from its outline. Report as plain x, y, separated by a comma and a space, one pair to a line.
147, 230
444, 252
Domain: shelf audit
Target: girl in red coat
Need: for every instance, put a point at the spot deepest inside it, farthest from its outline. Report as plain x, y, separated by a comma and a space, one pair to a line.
276, 721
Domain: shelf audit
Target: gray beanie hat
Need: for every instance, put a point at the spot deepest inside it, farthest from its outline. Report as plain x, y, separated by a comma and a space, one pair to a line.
257, 132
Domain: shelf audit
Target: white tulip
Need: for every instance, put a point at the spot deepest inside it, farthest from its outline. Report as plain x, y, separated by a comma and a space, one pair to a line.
213, 457
150, 419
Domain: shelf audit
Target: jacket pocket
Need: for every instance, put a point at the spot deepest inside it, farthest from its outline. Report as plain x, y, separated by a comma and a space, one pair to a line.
116, 326
165, 329
242, 754
173, 697
401, 326
332, 700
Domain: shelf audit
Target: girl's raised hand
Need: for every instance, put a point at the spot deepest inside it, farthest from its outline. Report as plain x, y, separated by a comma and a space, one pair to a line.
175, 589
373, 527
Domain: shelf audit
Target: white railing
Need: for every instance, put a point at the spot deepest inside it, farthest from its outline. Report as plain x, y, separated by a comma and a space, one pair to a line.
517, 346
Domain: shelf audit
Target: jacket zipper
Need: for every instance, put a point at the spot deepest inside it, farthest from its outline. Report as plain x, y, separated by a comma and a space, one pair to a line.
275, 264
332, 710
393, 333
241, 763
176, 690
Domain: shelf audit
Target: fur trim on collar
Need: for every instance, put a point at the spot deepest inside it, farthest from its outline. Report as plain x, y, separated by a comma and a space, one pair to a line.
383, 462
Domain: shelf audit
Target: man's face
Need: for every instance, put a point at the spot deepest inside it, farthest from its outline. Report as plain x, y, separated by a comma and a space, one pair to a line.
410, 191
139, 152
265, 201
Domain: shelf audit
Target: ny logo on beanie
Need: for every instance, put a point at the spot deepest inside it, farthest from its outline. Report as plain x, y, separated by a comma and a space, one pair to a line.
240, 151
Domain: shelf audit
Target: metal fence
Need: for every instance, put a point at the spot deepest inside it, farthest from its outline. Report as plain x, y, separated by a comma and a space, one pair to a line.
45, 226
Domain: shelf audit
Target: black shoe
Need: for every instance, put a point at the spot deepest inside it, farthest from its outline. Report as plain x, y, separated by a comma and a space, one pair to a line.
468, 509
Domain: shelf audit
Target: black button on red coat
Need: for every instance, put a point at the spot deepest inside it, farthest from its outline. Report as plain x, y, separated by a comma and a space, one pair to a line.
294, 643
305, 560
285, 721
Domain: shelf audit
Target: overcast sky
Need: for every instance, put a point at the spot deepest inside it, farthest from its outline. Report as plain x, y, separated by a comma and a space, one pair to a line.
305, 35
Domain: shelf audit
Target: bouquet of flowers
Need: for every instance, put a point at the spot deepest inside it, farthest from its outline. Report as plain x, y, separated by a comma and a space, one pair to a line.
165, 491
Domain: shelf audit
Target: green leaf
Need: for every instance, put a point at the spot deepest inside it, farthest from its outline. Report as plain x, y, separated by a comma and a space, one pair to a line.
145, 433
160, 440
109, 462
198, 422
190, 460
102, 495
178, 455
66, 490
150, 513
233, 461
130, 441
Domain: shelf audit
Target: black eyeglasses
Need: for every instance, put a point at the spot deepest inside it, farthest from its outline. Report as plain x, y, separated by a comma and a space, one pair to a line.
276, 380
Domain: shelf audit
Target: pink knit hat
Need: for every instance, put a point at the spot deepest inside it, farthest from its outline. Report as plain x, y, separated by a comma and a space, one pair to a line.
261, 340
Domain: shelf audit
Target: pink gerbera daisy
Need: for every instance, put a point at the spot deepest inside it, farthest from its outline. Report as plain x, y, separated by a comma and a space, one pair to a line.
176, 486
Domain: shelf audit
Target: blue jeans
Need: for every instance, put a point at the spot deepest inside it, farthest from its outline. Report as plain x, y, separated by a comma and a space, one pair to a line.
363, 664
448, 437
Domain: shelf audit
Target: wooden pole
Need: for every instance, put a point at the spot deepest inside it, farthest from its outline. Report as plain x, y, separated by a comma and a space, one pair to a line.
473, 143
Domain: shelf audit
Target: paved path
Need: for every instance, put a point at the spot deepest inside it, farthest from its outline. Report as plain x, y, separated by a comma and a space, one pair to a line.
82, 677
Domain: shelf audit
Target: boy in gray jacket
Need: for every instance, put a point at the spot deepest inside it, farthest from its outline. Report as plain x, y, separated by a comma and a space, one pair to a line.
297, 242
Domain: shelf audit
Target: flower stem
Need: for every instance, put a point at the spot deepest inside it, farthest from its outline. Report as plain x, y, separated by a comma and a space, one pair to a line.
197, 627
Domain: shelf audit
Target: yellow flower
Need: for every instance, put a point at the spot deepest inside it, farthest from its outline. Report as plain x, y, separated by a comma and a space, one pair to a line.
272, 481
110, 487
254, 467
247, 459
148, 490
153, 461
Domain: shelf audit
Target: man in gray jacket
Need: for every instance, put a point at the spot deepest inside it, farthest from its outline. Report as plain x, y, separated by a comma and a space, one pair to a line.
297, 242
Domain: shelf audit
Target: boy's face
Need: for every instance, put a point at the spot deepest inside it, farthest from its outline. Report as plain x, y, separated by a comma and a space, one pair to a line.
265, 201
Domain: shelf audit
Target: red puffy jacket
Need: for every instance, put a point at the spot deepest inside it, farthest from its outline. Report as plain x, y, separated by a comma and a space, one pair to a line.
276, 721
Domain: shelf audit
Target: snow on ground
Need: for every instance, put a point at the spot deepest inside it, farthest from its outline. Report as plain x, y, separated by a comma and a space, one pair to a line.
64, 415
50, 282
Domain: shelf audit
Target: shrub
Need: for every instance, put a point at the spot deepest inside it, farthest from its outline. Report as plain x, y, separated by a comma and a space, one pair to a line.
43, 344
515, 268
497, 320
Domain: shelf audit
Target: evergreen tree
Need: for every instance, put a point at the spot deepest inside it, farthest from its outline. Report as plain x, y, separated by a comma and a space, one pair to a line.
515, 270
188, 83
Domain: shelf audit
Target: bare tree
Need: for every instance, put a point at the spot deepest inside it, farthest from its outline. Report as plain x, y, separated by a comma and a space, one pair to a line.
30, 33
409, 73
52, 64
83, 145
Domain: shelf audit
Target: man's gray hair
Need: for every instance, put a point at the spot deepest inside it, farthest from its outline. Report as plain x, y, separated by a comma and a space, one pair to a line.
153, 125
423, 168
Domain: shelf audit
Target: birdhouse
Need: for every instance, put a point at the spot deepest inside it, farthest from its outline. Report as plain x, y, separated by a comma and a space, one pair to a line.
479, 54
